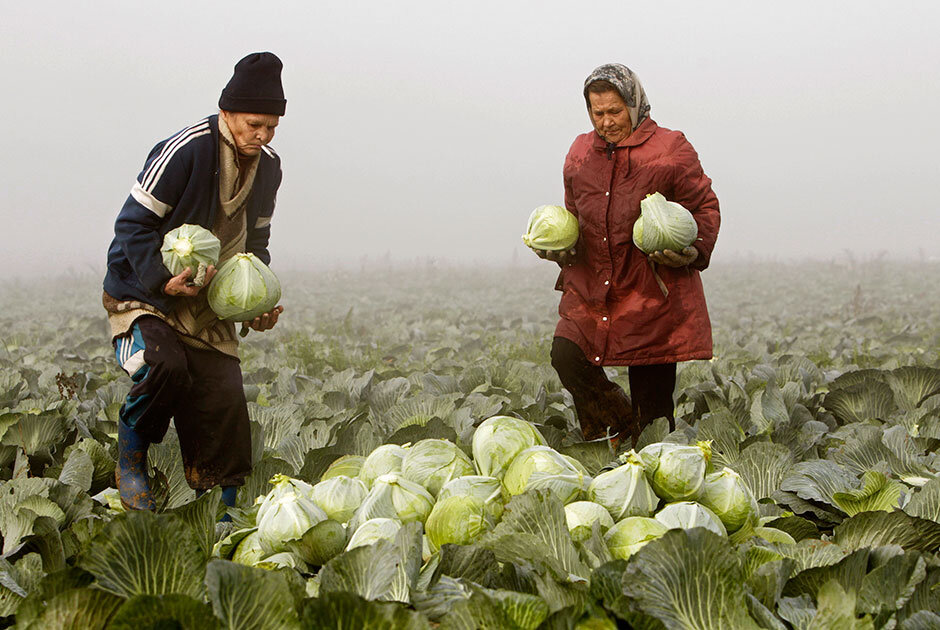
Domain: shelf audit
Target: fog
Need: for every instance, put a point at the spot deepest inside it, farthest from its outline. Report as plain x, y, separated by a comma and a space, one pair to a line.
430, 130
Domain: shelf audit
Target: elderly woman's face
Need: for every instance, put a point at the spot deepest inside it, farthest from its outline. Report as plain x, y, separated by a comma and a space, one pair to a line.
610, 116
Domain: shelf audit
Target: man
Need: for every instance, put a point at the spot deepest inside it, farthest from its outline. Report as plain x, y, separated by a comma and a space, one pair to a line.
620, 307
218, 173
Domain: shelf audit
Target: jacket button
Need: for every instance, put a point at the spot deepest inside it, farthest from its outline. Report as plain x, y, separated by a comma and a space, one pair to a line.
597, 358
607, 194
604, 319
606, 281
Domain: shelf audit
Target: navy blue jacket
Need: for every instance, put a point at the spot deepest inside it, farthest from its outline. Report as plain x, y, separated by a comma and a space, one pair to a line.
180, 184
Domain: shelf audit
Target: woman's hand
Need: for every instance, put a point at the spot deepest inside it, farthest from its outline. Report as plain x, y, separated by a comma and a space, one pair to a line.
675, 259
562, 257
181, 286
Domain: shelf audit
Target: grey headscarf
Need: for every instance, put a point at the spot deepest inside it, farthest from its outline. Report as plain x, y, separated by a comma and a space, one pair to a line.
627, 84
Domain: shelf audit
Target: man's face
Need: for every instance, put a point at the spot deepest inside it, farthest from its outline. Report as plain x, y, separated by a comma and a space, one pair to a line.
610, 116
251, 131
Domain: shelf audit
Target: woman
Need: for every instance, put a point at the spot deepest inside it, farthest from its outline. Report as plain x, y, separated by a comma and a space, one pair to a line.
620, 306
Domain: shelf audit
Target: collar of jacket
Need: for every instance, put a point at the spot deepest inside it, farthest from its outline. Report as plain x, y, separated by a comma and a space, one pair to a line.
639, 136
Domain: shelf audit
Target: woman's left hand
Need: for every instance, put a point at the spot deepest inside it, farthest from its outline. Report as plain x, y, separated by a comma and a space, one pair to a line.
675, 259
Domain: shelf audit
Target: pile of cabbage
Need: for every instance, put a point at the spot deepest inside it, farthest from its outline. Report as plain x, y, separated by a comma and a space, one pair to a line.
458, 498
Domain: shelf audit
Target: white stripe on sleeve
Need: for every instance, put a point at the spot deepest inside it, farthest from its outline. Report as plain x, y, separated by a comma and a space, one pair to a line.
158, 165
134, 363
262, 222
150, 202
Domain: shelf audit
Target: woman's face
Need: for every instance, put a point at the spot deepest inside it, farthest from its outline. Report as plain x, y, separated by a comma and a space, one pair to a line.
610, 116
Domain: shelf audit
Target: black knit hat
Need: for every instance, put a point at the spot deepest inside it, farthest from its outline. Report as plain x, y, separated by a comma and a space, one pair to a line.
255, 88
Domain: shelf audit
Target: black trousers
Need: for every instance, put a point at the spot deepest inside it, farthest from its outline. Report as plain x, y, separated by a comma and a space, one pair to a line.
202, 391
602, 405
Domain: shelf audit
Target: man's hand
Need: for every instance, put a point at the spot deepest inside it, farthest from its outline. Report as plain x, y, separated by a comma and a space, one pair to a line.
562, 257
263, 322
181, 286
675, 259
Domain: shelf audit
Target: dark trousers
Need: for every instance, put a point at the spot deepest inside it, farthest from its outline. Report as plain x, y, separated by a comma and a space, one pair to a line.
202, 391
602, 405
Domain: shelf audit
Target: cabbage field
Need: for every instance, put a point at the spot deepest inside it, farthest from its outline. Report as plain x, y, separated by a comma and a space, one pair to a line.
417, 464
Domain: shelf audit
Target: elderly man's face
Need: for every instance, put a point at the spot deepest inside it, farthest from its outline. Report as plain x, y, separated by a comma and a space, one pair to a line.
251, 131
610, 116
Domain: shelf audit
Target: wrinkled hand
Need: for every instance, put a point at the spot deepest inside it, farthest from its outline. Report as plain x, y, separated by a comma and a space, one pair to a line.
675, 259
181, 286
263, 322
562, 257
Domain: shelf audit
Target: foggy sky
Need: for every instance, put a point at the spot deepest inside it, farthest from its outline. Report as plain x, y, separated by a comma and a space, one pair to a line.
432, 128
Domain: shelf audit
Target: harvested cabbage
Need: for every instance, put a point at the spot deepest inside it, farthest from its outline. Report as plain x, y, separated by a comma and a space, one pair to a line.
663, 225
581, 516
339, 496
626, 537
676, 471
459, 520
543, 467
346, 465
243, 289
624, 491
551, 228
498, 440
383, 460
374, 530
189, 246
433, 462
689, 514
393, 496
726, 494
487, 489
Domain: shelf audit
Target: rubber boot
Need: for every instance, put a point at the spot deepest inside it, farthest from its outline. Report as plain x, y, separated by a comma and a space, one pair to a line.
228, 498
131, 472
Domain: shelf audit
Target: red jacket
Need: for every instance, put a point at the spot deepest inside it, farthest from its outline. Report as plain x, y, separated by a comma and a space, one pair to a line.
611, 305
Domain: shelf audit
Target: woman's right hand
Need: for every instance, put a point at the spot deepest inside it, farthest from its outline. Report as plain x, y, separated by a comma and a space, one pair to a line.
562, 257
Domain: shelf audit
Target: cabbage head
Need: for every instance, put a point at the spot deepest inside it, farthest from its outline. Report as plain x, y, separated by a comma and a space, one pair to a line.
498, 440
249, 551
188, 246
287, 519
374, 530
320, 543
339, 496
689, 514
283, 486
663, 225
730, 499
393, 496
243, 288
676, 471
581, 516
459, 520
383, 460
551, 228
346, 466
624, 491
543, 467
487, 489
433, 462
627, 537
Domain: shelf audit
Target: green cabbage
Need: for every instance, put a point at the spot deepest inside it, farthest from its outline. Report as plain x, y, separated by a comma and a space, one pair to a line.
581, 516
626, 537
393, 496
487, 489
459, 520
339, 496
689, 514
543, 467
498, 440
663, 225
383, 460
433, 462
726, 494
243, 289
346, 466
676, 471
624, 491
249, 550
374, 530
188, 246
551, 228
287, 519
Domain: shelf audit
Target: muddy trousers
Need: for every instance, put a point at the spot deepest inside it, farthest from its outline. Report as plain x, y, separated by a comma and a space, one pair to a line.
602, 405
200, 389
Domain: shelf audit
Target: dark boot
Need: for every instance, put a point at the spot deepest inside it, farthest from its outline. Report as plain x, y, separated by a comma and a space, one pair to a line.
131, 473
